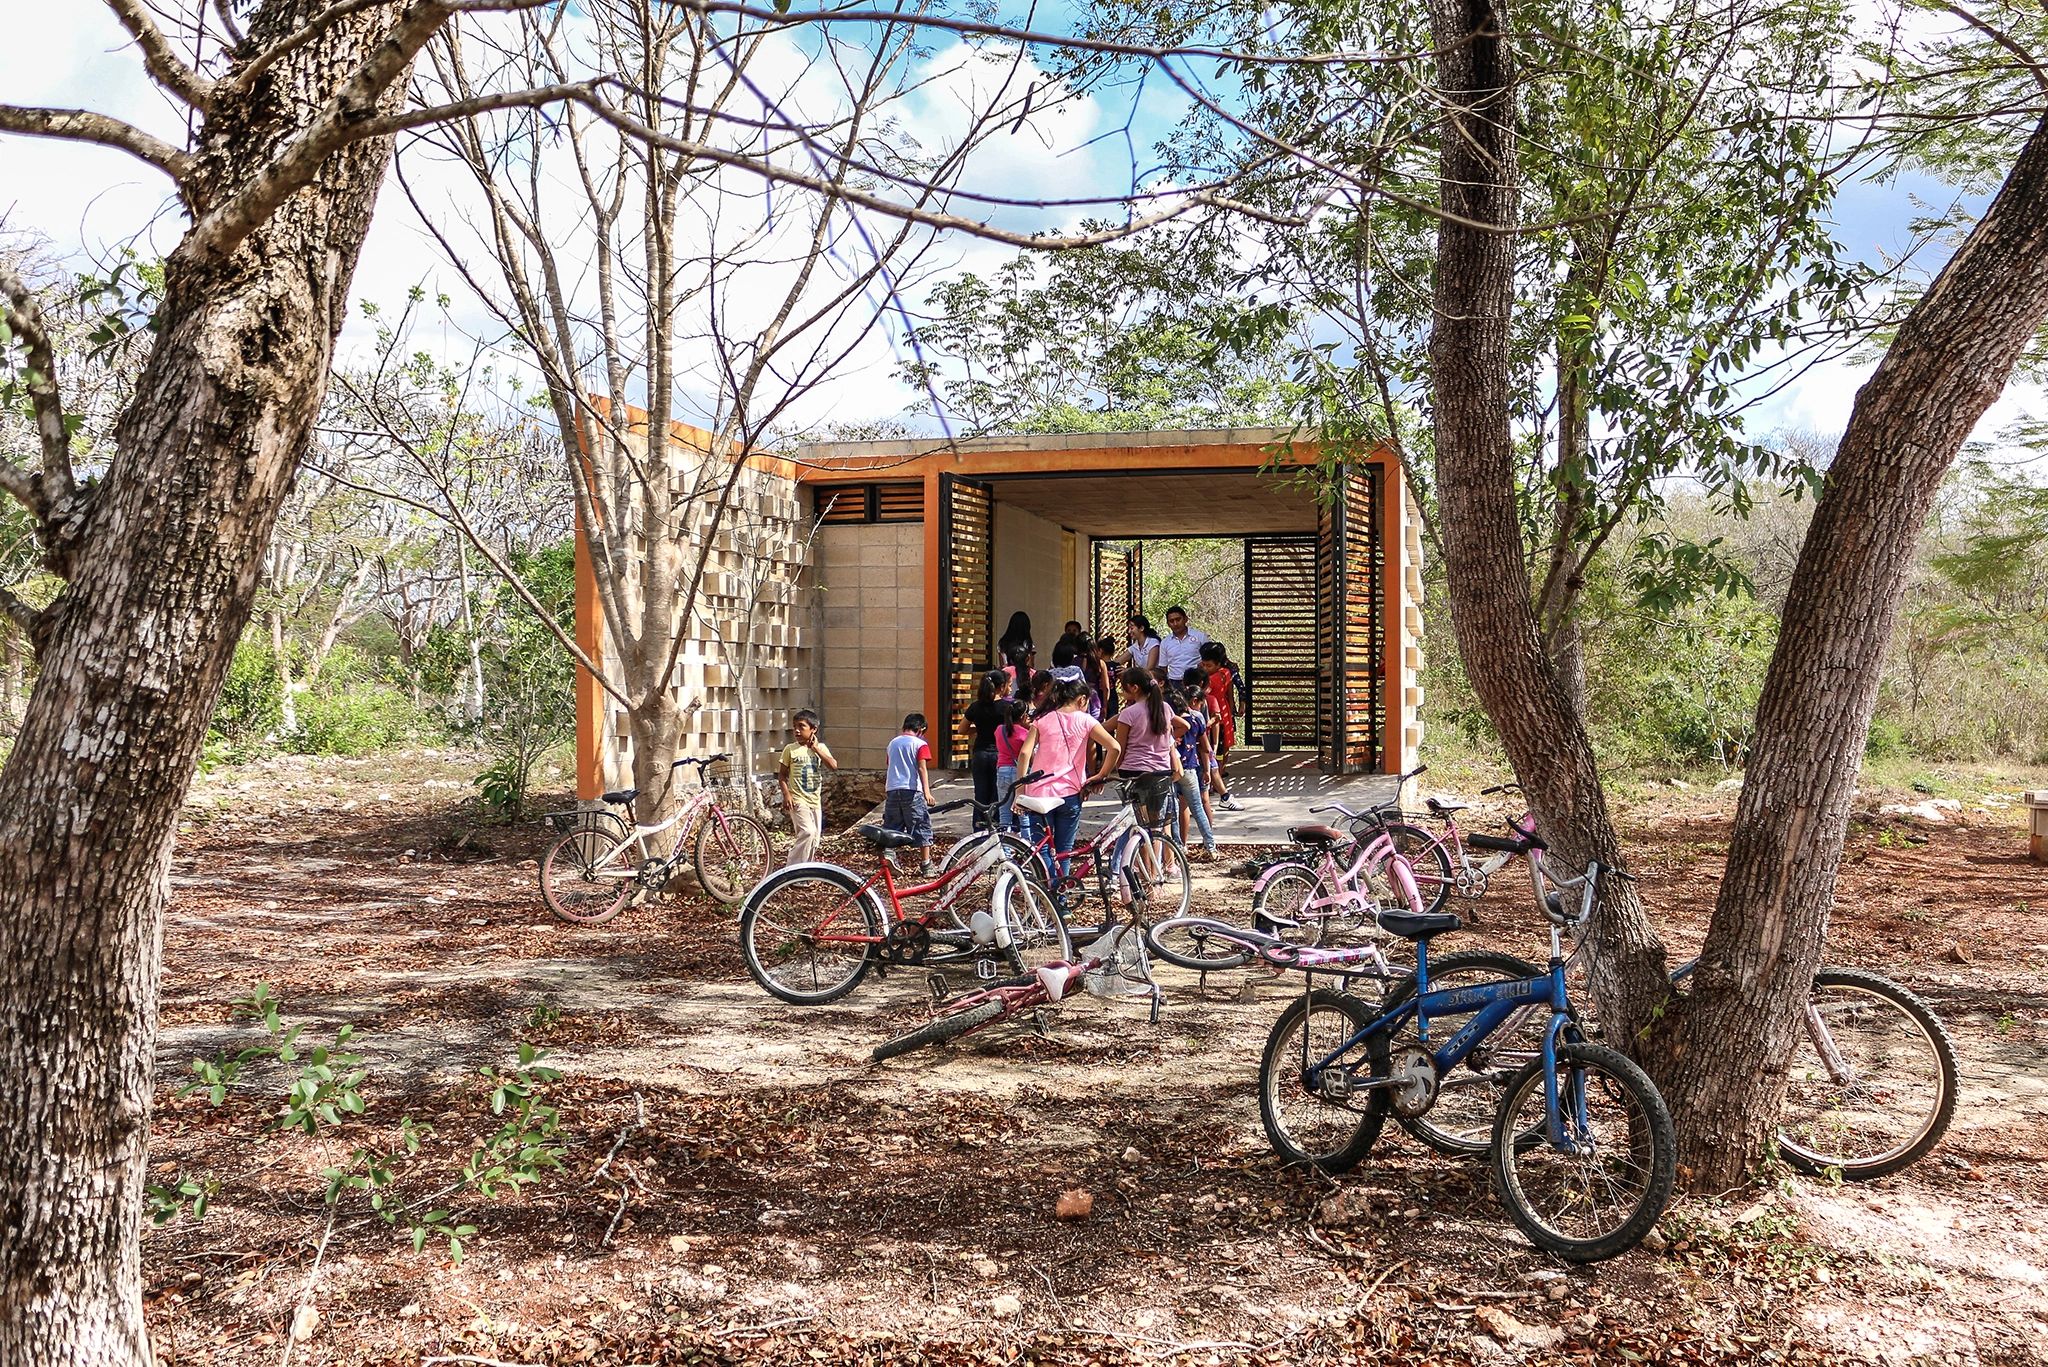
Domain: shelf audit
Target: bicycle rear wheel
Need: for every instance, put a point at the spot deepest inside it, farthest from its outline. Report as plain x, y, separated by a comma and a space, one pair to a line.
1286, 895
808, 934
1038, 933
939, 1030
1599, 1199
587, 877
733, 852
1897, 1089
1315, 1128
1170, 889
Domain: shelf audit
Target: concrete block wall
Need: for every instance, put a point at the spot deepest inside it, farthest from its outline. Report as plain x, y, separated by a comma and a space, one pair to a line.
753, 612
868, 669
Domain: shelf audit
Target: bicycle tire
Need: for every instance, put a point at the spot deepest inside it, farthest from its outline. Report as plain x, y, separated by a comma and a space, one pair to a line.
1038, 935
588, 847
1307, 932
938, 1030
763, 897
747, 856
1428, 859
1512, 1144
1234, 957
1435, 1135
1810, 1158
1022, 852
1280, 1073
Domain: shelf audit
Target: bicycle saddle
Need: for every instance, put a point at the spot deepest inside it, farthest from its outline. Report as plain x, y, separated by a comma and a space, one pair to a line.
1316, 835
1505, 844
1409, 926
1443, 808
882, 838
623, 797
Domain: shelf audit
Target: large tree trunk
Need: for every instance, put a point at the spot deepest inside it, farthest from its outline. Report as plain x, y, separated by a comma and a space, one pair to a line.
1499, 637
1721, 1062
160, 584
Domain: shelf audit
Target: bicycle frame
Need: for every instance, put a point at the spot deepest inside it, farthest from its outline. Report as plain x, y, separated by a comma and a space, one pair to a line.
958, 879
1348, 893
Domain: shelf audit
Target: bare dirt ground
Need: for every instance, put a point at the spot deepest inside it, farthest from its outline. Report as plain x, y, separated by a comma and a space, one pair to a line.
741, 1185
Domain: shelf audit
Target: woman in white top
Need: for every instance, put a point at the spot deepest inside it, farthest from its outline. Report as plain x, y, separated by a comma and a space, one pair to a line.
1143, 650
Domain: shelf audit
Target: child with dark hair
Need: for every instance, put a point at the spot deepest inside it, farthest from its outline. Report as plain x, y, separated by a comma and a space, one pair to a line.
1010, 736
802, 772
1193, 744
1221, 675
907, 806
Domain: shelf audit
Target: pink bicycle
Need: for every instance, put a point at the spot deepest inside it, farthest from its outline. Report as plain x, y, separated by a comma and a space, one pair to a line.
1305, 899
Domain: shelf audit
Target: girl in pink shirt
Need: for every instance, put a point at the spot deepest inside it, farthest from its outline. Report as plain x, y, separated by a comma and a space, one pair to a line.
1058, 747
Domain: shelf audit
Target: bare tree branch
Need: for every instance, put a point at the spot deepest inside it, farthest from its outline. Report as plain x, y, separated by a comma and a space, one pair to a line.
1075, 42
83, 125
164, 64
25, 320
293, 168
23, 616
2003, 39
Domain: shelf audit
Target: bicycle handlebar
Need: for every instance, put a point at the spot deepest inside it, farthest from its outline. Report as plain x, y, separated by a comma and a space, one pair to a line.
701, 763
1509, 787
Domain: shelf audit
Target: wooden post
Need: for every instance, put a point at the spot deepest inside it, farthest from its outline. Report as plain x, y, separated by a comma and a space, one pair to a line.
2037, 840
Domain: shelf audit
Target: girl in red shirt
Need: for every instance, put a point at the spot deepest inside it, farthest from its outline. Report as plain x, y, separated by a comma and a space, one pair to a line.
1217, 670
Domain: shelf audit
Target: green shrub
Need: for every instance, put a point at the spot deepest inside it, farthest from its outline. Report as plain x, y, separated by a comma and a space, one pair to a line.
251, 701
1887, 740
354, 720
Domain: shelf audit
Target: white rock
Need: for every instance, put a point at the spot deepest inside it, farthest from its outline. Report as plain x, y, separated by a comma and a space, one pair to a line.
305, 1323
1006, 1305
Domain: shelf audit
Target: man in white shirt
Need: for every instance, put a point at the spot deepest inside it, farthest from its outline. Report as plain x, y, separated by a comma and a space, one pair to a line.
1181, 648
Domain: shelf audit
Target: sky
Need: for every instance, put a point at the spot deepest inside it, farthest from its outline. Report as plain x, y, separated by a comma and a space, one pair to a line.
84, 200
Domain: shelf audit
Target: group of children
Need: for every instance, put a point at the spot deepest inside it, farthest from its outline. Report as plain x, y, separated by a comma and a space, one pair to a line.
1202, 705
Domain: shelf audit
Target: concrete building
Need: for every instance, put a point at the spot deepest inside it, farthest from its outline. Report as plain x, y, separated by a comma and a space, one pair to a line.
905, 558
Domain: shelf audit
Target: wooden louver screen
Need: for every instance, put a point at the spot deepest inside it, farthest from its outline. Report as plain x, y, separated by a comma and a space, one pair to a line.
967, 623
853, 504
1361, 646
1283, 656
1119, 586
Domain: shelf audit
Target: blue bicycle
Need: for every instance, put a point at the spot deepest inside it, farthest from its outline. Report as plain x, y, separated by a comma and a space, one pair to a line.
1582, 1150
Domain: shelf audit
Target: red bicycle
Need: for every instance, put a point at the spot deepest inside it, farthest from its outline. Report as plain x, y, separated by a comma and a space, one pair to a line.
810, 932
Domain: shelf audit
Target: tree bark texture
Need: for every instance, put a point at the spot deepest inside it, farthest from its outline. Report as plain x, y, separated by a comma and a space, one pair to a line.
1499, 635
160, 581
1724, 1056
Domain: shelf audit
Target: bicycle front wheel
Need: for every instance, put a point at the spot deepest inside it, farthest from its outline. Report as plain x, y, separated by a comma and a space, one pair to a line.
939, 1030
1329, 1128
808, 934
1595, 1193
1038, 933
733, 852
1872, 1083
587, 877
1429, 861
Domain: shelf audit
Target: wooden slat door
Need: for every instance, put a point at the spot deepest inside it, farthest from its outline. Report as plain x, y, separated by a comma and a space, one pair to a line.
1355, 623
1119, 586
1283, 653
966, 608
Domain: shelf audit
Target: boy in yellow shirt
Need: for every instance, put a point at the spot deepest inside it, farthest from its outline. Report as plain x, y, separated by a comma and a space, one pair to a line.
802, 771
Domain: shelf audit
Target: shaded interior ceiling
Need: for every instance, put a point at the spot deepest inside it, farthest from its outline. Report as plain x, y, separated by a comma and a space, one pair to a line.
1215, 503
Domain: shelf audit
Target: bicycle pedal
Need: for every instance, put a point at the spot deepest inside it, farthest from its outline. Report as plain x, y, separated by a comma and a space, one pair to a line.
940, 989
985, 969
